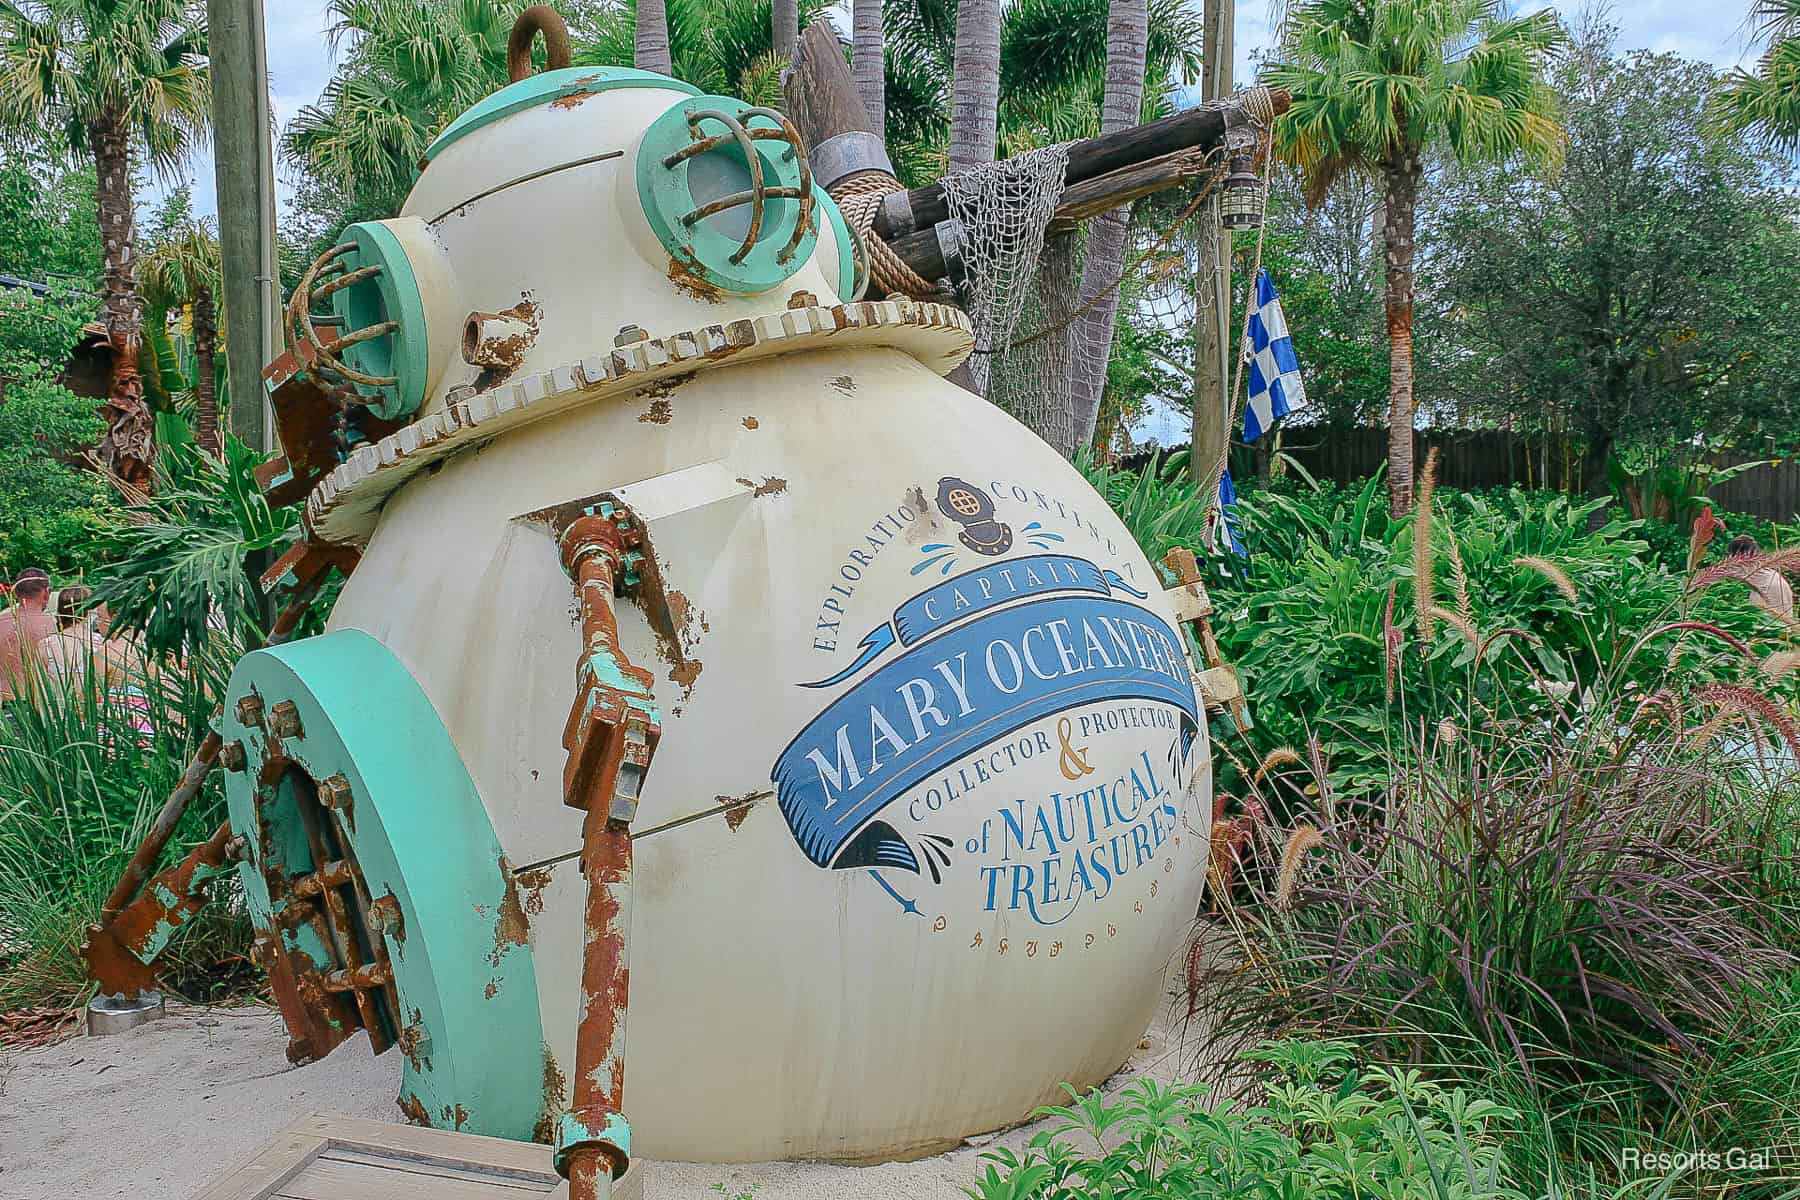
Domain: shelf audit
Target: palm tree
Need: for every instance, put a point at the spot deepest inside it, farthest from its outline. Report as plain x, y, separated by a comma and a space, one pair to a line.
1377, 82
183, 269
1768, 101
651, 52
116, 78
975, 84
413, 66
1052, 73
785, 31
1127, 44
868, 60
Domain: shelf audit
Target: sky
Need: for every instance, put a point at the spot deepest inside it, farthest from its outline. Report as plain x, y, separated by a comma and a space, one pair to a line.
301, 58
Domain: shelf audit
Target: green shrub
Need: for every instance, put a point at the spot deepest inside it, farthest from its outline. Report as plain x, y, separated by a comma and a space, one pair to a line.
1315, 1127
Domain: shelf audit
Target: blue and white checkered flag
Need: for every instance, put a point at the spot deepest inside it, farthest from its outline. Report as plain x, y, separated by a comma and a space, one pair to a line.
1224, 534
1275, 385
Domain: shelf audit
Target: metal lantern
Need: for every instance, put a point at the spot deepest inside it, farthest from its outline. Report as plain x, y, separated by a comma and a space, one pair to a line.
1240, 203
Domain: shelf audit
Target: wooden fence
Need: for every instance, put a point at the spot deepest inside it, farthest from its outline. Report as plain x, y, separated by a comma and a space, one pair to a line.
1482, 458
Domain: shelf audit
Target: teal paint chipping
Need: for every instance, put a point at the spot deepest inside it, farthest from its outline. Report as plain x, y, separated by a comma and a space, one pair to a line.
548, 86
463, 969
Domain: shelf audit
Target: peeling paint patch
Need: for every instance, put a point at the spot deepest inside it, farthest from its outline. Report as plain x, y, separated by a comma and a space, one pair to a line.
533, 883
414, 1111
770, 486
738, 807
751, 422
555, 1086
686, 273
845, 385
684, 674
573, 99
658, 413
511, 926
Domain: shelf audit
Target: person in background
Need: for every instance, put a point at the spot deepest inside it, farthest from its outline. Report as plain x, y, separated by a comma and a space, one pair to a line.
1769, 589
72, 647
23, 624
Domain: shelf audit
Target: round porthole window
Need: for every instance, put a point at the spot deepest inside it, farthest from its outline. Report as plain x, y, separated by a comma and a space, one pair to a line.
726, 188
382, 321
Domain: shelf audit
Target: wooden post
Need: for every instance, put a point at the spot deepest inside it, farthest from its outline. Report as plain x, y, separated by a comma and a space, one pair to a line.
244, 171
1212, 278
822, 100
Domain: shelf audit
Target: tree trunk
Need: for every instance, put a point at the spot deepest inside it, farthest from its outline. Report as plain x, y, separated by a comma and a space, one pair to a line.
869, 60
651, 51
1402, 172
206, 398
785, 17
125, 448
1127, 32
975, 88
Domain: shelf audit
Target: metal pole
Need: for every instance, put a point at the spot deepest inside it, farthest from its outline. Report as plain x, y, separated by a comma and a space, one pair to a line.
1212, 278
244, 175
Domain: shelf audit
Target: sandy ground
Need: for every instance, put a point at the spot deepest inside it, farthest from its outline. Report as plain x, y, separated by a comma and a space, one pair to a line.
165, 1109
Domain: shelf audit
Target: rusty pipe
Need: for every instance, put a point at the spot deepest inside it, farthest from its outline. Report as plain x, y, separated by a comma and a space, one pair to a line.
143, 861
612, 731
598, 1100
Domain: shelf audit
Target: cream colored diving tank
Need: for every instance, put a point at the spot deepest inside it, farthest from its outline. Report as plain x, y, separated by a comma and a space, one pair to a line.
929, 816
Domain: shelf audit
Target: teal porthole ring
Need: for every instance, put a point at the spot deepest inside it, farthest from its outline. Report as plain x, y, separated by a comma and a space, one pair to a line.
389, 294
780, 191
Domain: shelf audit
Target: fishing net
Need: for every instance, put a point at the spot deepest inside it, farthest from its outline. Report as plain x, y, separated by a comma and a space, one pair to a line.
1005, 208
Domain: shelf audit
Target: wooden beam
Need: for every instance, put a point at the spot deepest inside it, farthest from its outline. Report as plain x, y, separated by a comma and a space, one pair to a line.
1091, 197
1201, 128
822, 100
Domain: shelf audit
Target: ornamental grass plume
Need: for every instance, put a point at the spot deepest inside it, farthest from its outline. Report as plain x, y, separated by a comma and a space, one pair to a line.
1424, 582
1743, 567
1555, 574
1455, 620
1300, 843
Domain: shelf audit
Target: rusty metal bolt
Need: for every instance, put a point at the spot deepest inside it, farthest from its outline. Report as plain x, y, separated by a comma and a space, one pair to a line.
334, 792
284, 720
628, 334
384, 914
250, 710
238, 849
231, 756
802, 299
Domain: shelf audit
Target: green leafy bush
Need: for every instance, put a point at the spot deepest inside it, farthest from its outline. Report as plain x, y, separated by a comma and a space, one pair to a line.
1316, 1127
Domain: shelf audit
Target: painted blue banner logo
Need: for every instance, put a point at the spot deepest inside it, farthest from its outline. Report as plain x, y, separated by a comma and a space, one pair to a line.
982, 678
975, 592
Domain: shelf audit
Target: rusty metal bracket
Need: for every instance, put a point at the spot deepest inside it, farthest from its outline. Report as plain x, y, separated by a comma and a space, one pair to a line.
121, 953
612, 732
1187, 595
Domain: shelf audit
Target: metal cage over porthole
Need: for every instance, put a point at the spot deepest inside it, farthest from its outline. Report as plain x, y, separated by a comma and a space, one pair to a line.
727, 189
